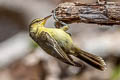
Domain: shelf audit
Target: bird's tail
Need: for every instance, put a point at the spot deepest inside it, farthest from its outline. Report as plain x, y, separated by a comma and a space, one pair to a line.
91, 59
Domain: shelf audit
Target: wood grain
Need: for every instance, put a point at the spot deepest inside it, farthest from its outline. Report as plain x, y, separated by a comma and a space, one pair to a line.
75, 12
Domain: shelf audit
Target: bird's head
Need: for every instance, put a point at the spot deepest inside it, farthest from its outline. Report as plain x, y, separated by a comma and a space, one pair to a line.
39, 22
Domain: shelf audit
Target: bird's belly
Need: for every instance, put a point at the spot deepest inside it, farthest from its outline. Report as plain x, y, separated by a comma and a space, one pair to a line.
63, 39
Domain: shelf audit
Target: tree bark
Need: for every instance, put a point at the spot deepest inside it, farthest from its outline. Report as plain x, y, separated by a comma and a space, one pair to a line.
75, 12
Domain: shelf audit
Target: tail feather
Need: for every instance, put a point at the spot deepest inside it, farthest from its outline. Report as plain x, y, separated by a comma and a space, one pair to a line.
92, 60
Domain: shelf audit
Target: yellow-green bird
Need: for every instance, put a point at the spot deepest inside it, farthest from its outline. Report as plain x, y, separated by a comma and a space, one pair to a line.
58, 43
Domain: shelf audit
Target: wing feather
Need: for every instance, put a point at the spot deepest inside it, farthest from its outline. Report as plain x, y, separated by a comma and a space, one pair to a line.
51, 46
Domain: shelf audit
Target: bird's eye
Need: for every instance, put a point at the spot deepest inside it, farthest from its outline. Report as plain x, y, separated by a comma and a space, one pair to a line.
35, 21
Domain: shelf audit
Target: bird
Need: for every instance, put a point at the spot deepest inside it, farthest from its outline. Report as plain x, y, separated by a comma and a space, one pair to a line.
59, 44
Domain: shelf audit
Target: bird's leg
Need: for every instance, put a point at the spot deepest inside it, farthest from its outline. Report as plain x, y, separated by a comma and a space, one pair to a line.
65, 27
59, 23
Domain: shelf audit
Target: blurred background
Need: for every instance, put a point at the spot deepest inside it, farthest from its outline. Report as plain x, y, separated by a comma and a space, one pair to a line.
21, 59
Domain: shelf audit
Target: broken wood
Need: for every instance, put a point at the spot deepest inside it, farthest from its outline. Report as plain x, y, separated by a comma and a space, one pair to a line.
106, 14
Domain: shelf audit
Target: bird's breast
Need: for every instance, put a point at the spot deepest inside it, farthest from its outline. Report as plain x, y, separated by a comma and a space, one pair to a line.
63, 38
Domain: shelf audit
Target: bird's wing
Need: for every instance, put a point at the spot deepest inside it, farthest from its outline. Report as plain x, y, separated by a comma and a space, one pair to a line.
54, 49
91, 59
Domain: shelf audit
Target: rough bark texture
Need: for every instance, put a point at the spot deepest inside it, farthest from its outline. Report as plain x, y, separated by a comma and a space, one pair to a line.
107, 14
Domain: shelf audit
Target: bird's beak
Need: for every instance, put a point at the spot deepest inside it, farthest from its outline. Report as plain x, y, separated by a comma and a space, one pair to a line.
45, 19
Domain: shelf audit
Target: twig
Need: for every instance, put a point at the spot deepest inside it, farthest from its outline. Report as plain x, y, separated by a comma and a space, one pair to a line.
106, 14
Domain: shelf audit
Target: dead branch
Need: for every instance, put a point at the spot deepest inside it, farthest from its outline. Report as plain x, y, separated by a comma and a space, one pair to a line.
108, 14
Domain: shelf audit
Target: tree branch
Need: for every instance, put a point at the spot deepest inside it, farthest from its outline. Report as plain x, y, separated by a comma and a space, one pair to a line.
108, 14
